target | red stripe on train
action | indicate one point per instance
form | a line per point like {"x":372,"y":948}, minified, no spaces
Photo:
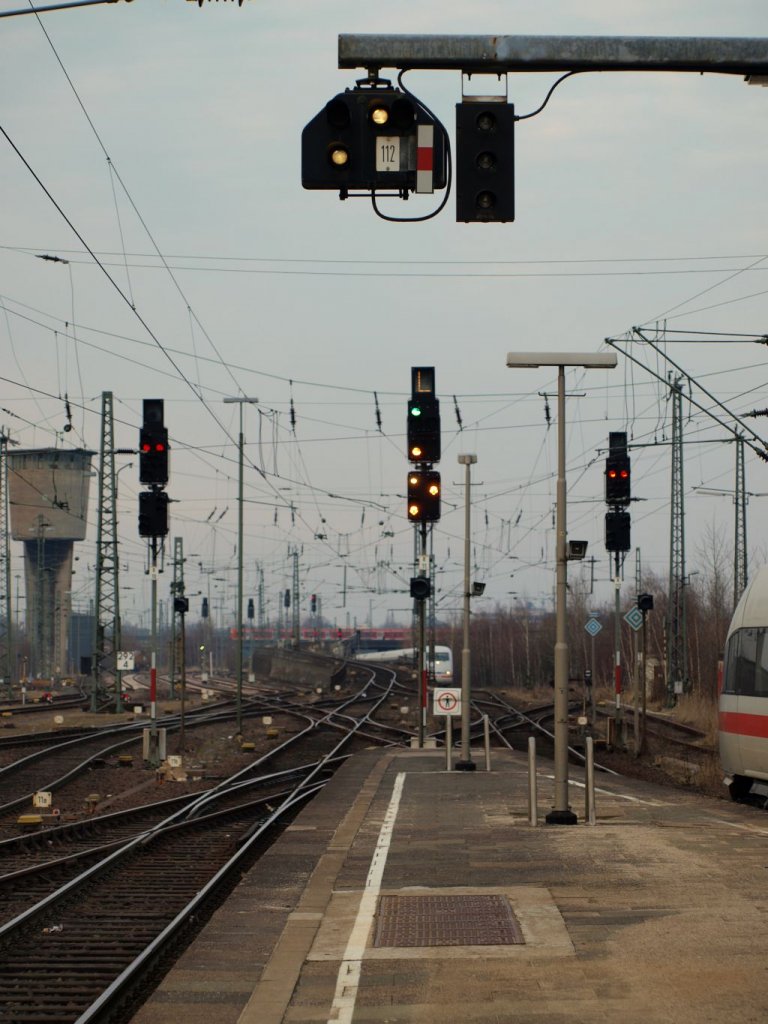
{"x":743,"y":724}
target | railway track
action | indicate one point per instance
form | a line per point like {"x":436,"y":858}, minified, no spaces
{"x":88,"y":913}
{"x":77,"y":945}
{"x":55,"y":761}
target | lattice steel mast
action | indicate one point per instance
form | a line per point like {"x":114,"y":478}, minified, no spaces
{"x":106,"y":634}
{"x":6,"y":626}
{"x":296,"y":610}
{"x":740,"y":530}
{"x":261,"y":620}
{"x":677,"y":659}
{"x":177,"y":590}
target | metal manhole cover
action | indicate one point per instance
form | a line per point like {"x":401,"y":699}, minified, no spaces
{"x":446,"y":921}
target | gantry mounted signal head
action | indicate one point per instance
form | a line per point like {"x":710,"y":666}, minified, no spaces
{"x":373,"y":138}
{"x":485,"y":160}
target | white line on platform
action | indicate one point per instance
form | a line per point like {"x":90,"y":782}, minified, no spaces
{"x":610,"y":792}
{"x":348,"y":980}
{"x":738,"y":824}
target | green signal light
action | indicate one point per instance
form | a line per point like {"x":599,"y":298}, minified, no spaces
{"x":416,"y":411}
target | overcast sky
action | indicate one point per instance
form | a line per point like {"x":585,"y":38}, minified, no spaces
{"x":161,"y":127}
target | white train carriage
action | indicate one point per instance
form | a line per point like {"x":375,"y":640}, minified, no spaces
{"x":743,"y":704}
{"x":443,"y":660}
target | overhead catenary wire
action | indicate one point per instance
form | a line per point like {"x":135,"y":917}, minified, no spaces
{"x":761,"y":453}
{"x":283,"y":432}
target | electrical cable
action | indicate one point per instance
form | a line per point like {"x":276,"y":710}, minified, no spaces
{"x":449,"y":167}
{"x":568,"y":74}
{"x":31,"y":250}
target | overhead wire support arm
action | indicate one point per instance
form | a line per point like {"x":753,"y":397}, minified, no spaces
{"x":762,"y":453}
{"x":507,"y":53}
{"x":56,"y":7}
{"x":701,"y":388}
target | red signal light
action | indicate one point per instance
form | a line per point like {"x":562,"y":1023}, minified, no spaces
{"x":153,"y":452}
{"x":617,"y":481}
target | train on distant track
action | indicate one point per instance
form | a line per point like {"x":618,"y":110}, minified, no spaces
{"x":743,"y":702}
{"x":443,"y":660}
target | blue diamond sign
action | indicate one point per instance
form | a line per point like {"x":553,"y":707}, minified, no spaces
{"x":634,"y":617}
{"x":593,"y":627}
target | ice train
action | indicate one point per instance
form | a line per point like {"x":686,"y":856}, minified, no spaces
{"x":443,"y":660}
{"x":743,"y":703}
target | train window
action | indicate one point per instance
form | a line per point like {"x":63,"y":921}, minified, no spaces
{"x":761,"y":666}
{"x":729,"y":664}
{"x":742,"y":658}
{"x":746,"y":663}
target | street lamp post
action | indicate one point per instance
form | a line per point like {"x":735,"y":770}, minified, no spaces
{"x":241,"y":402}
{"x":561,"y":814}
{"x":465,"y":762}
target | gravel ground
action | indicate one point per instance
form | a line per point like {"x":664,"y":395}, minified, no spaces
{"x":213,"y":751}
{"x":709,"y":784}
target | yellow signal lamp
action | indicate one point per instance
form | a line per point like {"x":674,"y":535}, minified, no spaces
{"x":413,"y":511}
{"x":434,"y":490}
{"x":339,"y":156}
{"x":379,"y":116}
{"x":416,"y":451}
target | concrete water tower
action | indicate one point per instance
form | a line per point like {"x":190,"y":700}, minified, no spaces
{"x":48,"y":497}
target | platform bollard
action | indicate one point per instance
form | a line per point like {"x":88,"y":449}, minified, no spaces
{"x":487,"y":736}
{"x":589,"y":789}
{"x":448,"y":742}
{"x":533,"y":803}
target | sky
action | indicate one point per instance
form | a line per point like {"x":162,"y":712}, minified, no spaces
{"x":167,"y":137}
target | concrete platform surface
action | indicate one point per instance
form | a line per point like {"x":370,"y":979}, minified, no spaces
{"x":377,"y":906}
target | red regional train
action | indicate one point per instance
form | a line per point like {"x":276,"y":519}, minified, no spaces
{"x":743,"y":705}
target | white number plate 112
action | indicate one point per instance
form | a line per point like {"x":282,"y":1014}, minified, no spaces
{"x":388,"y":153}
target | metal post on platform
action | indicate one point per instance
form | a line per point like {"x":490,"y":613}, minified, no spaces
{"x":465,"y":762}
{"x":533,"y":800}
{"x":448,"y":741}
{"x":589,"y":779}
{"x":487,"y":741}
